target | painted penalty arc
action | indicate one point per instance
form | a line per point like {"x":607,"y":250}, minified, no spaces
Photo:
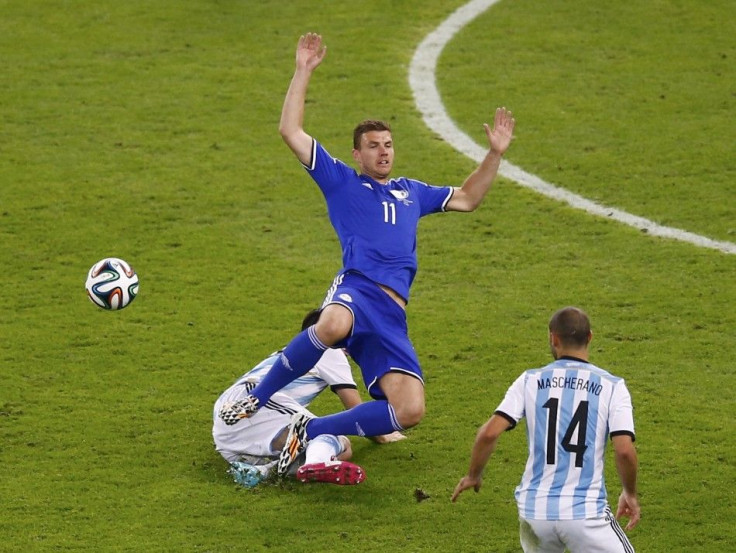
{"x":422,"y":81}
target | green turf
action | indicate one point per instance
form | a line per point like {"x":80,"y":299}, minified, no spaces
{"x":628,"y":104}
{"x":148,"y":131}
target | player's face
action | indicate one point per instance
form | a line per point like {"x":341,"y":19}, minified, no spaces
{"x":375,"y":157}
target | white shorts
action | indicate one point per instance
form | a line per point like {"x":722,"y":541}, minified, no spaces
{"x":591,"y":535}
{"x":250,"y":440}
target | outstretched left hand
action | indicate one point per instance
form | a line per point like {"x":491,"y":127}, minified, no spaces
{"x":500,"y":136}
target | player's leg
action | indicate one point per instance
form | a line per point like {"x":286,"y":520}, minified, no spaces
{"x":328,"y":447}
{"x":405,"y":393}
{"x":595,"y":535}
{"x":540,"y":536}
{"x":248,"y":444}
{"x":326,"y":461}
{"x":334,"y":324}
{"x":322,"y":450}
{"x":381,"y":347}
{"x":301,"y":354}
{"x":373,"y":418}
{"x":403,"y":408}
{"x":378,"y":343}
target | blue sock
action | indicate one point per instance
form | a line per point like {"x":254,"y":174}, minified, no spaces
{"x":372,"y":418}
{"x":297,"y":359}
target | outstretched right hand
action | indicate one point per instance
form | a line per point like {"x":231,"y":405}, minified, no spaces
{"x":466,"y":482}
{"x":310,"y":51}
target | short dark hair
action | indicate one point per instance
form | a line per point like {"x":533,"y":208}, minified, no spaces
{"x":311,"y":318}
{"x":367,"y":126}
{"x":572,"y":325}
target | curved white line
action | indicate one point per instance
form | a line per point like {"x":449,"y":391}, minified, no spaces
{"x":427,"y":98}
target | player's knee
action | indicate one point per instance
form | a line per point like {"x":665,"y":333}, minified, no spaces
{"x":334,"y":326}
{"x":410,"y":414}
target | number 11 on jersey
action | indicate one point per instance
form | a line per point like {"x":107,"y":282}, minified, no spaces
{"x":389,"y":212}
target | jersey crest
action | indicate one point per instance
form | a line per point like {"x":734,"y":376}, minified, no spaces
{"x":402,"y":196}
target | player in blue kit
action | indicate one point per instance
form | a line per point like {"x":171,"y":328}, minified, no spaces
{"x":375,"y":218}
{"x":252,"y":445}
{"x":571,"y":408}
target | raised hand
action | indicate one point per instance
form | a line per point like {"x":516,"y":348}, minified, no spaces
{"x":310,"y":51}
{"x":500,"y":136}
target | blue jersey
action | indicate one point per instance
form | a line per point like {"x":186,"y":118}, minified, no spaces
{"x":376,"y":223}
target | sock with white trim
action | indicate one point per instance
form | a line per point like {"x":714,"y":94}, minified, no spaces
{"x":302,"y":353}
{"x":372,"y":418}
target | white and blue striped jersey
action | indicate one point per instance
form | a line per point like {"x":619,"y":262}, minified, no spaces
{"x":331,"y":370}
{"x":571,"y":408}
{"x":376,"y":223}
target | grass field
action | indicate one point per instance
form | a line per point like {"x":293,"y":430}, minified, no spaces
{"x":148,"y":131}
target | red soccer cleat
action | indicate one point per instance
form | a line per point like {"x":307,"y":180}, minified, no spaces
{"x":341,"y":473}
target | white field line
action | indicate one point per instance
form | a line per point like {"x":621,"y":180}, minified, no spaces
{"x":423,"y":84}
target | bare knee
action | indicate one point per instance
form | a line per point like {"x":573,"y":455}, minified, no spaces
{"x":405,"y":393}
{"x":334,"y":324}
{"x":409,"y":413}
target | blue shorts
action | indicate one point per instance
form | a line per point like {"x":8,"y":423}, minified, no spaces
{"x":379,"y":342}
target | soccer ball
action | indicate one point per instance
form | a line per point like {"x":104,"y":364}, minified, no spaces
{"x":112,"y":283}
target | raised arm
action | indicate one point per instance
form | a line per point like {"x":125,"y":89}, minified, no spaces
{"x":476,"y":186}
{"x":309,"y":54}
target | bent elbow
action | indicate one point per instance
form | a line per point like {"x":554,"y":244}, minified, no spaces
{"x":474,"y":205}
{"x":463,"y":205}
{"x":288,"y":129}
{"x":470,"y":202}
{"x":469,"y":205}
{"x":629,"y":456}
